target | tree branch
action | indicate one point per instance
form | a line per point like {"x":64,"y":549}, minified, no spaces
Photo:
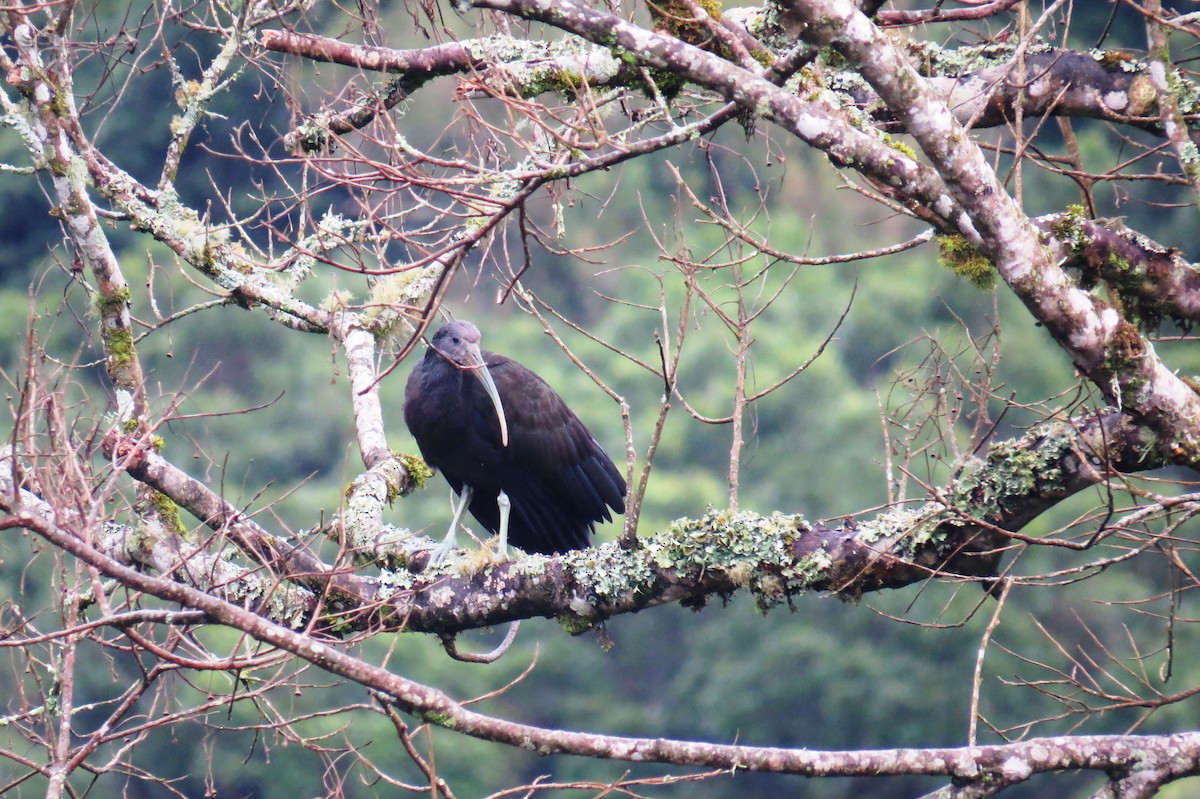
{"x":1173,"y":756}
{"x":960,"y":533}
{"x":1106,"y":348}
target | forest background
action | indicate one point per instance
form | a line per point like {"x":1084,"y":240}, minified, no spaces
{"x":893,"y":669}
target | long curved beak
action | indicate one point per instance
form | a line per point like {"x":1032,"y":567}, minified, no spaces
{"x":480,"y":370}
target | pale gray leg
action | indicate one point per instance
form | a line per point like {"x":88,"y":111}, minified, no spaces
{"x":450,"y":542}
{"x":505,"y":506}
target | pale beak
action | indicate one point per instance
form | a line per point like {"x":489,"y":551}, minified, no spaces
{"x":480,"y":370}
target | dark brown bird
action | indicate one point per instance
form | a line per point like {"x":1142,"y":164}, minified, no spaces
{"x":509,"y":447}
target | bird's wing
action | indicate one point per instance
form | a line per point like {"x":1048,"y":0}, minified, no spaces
{"x":551,"y":446}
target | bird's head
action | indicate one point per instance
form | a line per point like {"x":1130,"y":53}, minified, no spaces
{"x":458,"y":342}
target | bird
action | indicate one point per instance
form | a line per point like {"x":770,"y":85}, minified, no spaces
{"x":517,"y":457}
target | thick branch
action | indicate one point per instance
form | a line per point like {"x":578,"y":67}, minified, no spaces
{"x":939,"y":13}
{"x":286,"y":560}
{"x":1168,"y":757}
{"x":502,"y":65}
{"x":415,"y":69}
{"x":443,"y":59}
{"x":1152,"y":282}
{"x":1106,"y":348}
{"x":982,"y":85}
{"x":774,"y":557}
{"x":53,"y":117}
{"x":812,"y":121}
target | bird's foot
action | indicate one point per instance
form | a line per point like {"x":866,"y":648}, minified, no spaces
{"x":442,"y":553}
{"x":476,"y":561}
{"x":502,"y":554}
{"x":439,"y":551}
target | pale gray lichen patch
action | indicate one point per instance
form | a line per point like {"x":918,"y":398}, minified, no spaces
{"x":918,"y":524}
{"x":1116,"y":100}
{"x":395,"y":581}
{"x":752,"y":551}
{"x":610,"y":573}
{"x":287,"y":605}
{"x":1189,"y":154}
{"x":722,"y":539}
{"x":755,"y":552}
{"x":1015,"y":468}
{"x":933,"y":59}
{"x":752,"y":18}
{"x":1015,"y":769}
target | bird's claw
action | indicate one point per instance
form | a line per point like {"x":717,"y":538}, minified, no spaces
{"x":439,"y":552}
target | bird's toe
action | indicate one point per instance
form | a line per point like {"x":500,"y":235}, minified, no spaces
{"x":440,"y":552}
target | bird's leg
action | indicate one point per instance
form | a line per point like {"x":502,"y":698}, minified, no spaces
{"x":505,"y":505}
{"x":450,"y":542}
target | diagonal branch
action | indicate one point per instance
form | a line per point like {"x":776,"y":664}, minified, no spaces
{"x":960,"y":533}
{"x":812,"y":121}
{"x":1105,"y":347}
{"x":1152,"y":283}
{"x":1166,"y":757}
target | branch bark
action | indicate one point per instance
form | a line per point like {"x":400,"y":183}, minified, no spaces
{"x":1106,"y":348}
{"x":961,"y":533}
{"x":1143,"y":760}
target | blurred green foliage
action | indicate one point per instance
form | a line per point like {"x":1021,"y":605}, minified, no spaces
{"x":826,"y":674}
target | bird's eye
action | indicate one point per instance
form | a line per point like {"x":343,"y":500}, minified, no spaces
{"x":455,"y":340}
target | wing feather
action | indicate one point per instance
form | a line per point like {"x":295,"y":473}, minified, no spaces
{"x":559,"y":479}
